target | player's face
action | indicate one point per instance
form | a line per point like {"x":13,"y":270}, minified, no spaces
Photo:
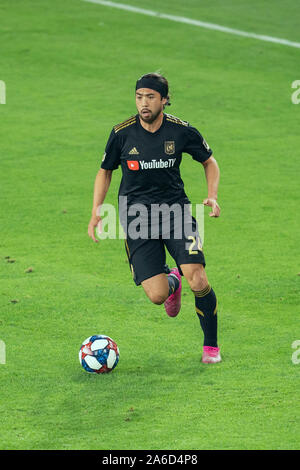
{"x":149,"y":104}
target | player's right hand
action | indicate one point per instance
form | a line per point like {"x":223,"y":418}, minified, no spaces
{"x":94,"y":222}
{"x":214,"y":205}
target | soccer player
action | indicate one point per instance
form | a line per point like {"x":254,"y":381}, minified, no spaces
{"x":149,"y":146}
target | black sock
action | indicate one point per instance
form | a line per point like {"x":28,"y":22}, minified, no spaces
{"x":206,"y":308}
{"x":173,"y":283}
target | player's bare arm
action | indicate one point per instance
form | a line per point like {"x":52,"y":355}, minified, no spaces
{"x":212,"y":174}
{"x":101,"y":186}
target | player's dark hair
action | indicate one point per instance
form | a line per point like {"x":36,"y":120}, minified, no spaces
{"x":162,"y":80}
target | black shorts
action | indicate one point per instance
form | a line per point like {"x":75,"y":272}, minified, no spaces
{"x":147,"y":257}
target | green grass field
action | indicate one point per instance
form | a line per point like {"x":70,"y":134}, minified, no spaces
{"x":70,"y":68}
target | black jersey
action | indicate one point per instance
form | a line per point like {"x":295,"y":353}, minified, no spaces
{"x":150,"y":161}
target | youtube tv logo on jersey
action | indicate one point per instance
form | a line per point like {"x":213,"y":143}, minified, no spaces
{"x":133,"y":165}
{"x":151,"y":165}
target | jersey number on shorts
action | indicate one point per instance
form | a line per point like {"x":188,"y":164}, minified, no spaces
{"x":195,"y":242}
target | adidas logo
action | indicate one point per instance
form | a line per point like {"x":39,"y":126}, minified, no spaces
{"x":133,"y":151}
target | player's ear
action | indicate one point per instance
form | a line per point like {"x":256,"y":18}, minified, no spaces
{"x":164,"y":101}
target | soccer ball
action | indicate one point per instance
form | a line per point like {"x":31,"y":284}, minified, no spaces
{"x":99,"y":354}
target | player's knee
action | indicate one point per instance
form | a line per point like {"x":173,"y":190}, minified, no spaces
{"x":156,"y":289}
{"x":156,"y":298}
{"x":198,"y":279}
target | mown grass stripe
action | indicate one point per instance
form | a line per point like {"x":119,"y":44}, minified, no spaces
{"x":200,"y":24}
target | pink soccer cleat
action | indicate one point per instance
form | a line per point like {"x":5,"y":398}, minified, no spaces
{"x":211,"y":355}
{"x":173,"y":302}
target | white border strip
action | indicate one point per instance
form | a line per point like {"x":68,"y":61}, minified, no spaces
{"x":201,"y":24}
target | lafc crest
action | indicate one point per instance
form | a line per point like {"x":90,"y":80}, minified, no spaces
{"x":170,"y":147}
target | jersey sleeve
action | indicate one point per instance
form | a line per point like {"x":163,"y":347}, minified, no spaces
{"x":111,"y":157}
{"x":196,"y":145}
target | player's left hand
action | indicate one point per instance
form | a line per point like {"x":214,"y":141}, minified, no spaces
{"x":214,"y":205}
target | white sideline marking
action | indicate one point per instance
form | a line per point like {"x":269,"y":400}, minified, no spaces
{"x":201,"y":24}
